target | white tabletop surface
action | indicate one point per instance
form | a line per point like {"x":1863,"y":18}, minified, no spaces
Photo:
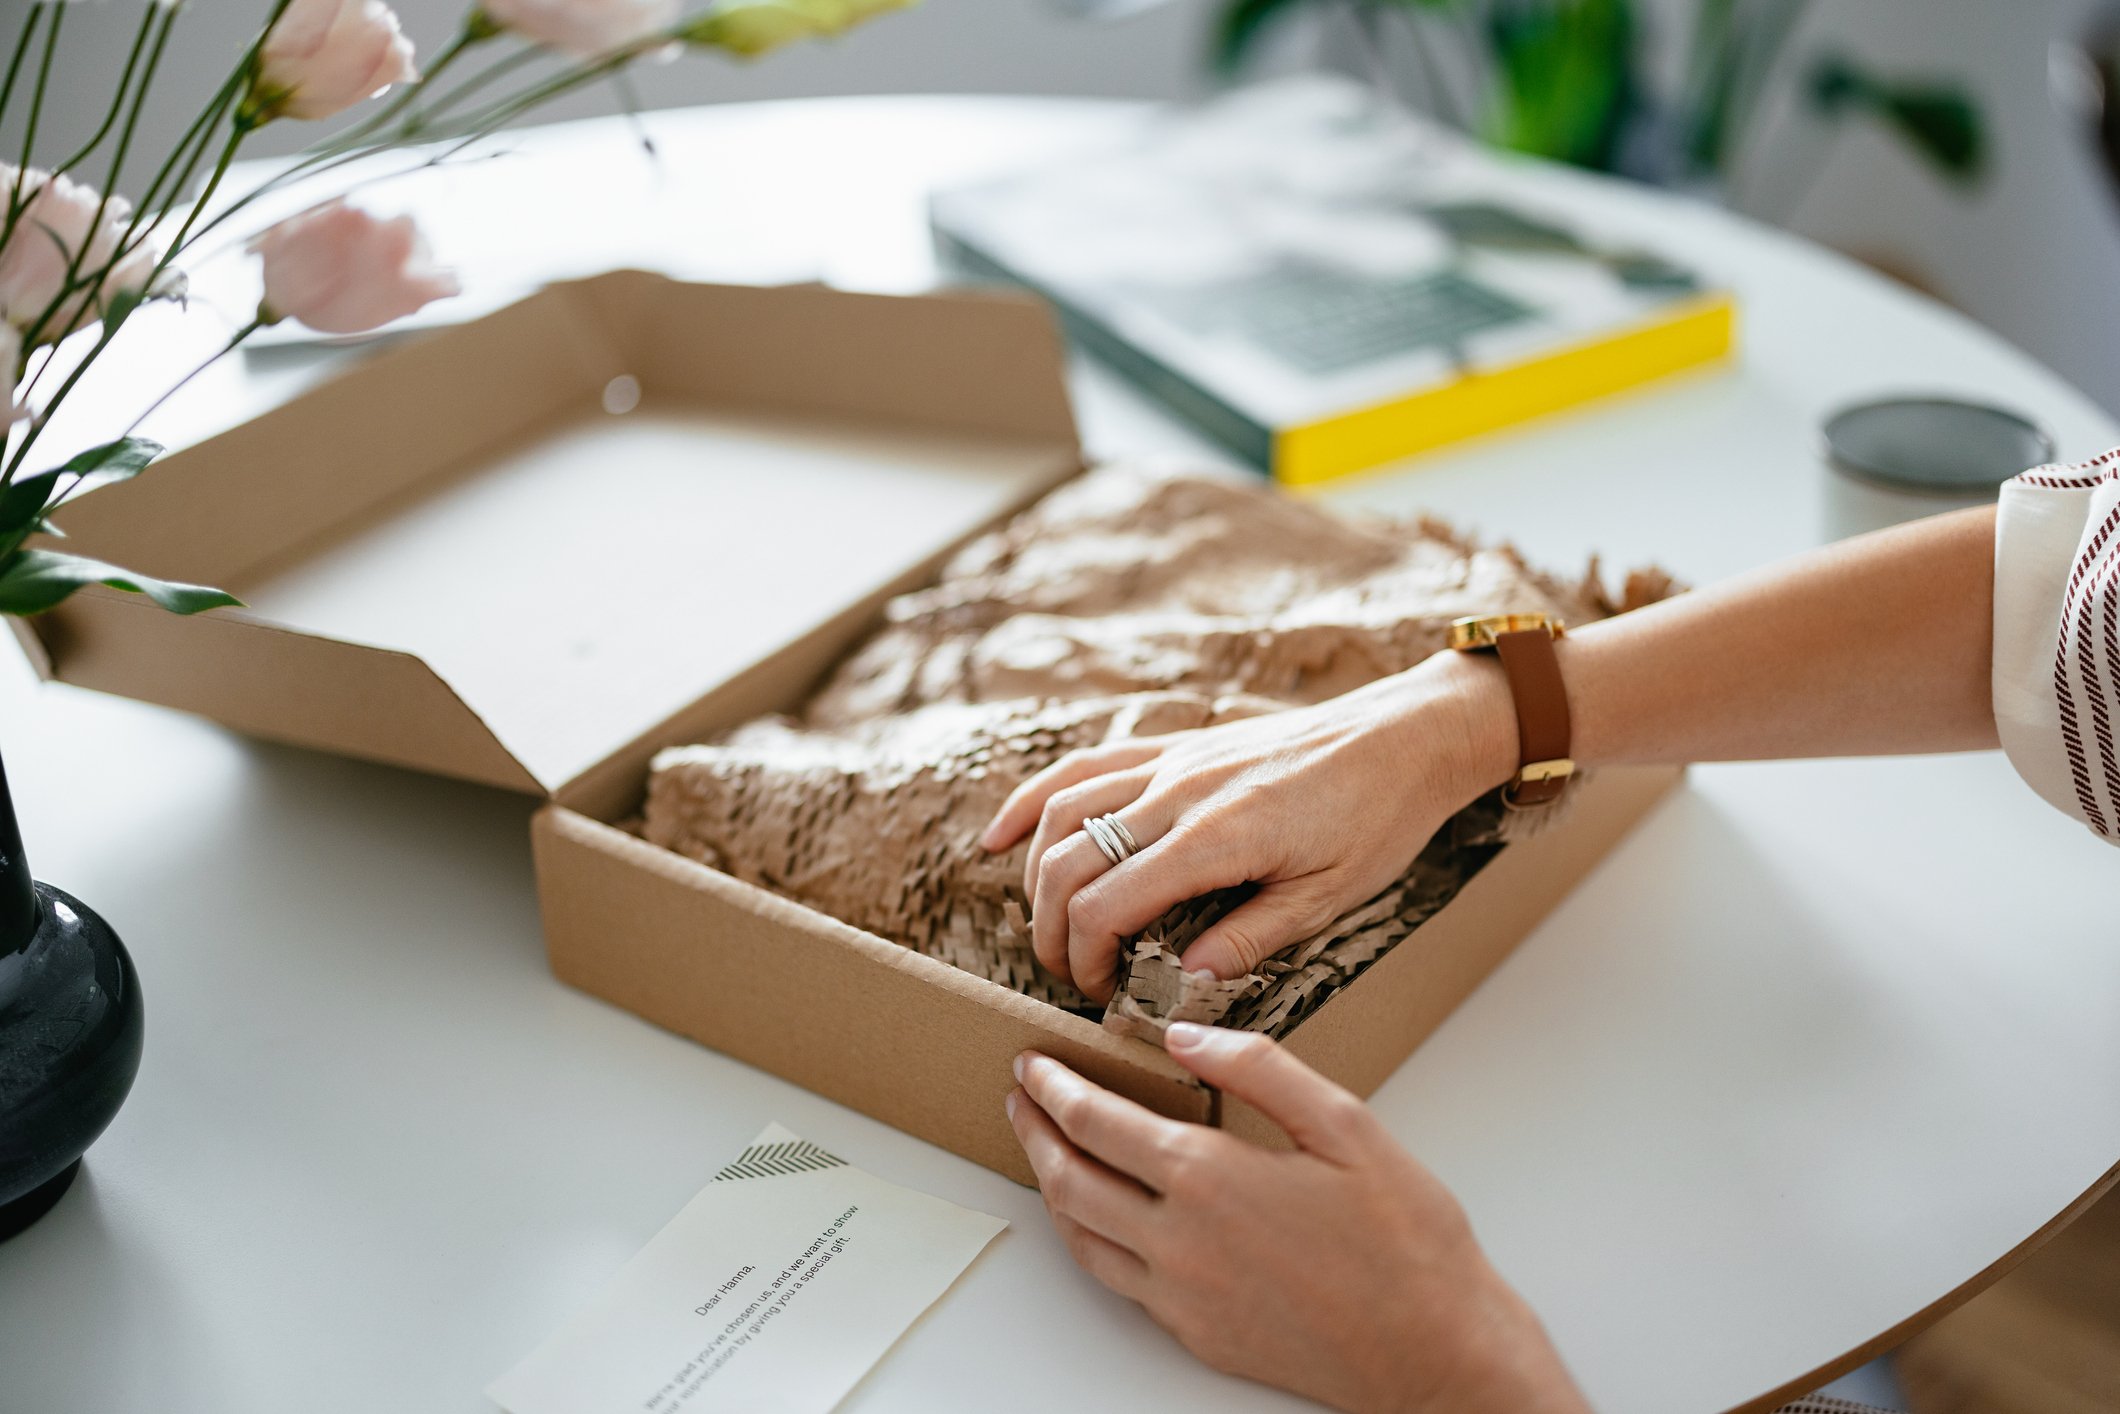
{"x":1813,"y":1048}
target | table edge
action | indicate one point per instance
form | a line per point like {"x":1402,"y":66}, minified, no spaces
{"x":1895,"y":1336}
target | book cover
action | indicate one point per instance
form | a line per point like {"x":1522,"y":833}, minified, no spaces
{"x":1324,"y":283}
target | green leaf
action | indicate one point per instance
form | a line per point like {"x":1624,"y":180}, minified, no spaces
{"x":128,"y":456}
{"x":1940,"y":121}
{"x":24,"y":501}
{"x":22,"y":506}
{"x":1836,"y":84}
{"x":1942,"y":125}
{"x":1566,"y":86}
{"x":35,"y":580}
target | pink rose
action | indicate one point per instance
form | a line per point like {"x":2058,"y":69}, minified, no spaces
{"x":586,"y":29}
{"x":60,"y":220}
{"x":342,"y":271}
{"x":324,"y":56}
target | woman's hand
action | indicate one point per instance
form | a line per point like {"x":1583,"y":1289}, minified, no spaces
{"x":1321,"y":806}
{"x":1343,"y":1271}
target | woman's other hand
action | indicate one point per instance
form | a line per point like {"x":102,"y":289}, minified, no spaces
{"x":1343,"y":1271}
{"x":1321,"y":806}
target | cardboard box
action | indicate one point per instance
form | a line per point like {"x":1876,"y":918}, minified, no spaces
{"x":629,"y":513}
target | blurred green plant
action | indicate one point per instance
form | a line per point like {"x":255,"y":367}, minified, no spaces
{"x":1564,"y":79}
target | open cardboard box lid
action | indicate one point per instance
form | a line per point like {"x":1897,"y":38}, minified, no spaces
{"x":519,"y":550}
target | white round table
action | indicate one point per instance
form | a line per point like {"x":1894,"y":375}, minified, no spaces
{"x":1815,"y":1050}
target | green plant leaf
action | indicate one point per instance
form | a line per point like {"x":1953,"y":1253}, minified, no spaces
{"x":1565,"y":81}
{"x":1939,"y":120}
{"x":32,"y":581}
{"x":22,"y":506}
{"x":24,"y":501}
{"x":128,"y":455}
{"x":1943,"y":125}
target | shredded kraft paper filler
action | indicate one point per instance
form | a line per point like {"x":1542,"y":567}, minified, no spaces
{"x":1128,"y":603}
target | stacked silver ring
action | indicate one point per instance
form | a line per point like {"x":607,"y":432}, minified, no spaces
{"x":1113,"y":839}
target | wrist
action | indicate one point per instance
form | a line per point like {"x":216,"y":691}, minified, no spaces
{"x":1505,"y":1362}
{"x":1465,"y":719}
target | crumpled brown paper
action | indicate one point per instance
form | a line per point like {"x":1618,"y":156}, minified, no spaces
{"x":1126,"y":604}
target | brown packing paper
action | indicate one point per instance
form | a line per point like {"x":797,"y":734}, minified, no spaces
{"x":1126,"y":604}
{"x":459,"y":561}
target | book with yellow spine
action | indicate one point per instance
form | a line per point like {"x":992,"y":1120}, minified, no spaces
{"x":1324,"y":284}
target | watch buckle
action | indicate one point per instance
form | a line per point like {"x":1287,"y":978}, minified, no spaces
{"x":1470,"y":635}
{"x":1560,"y":769}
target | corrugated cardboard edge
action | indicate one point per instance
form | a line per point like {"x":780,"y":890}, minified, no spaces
{"x":901,"y":1037}
{"x":40,"y":661}
{"x":1366,"y":1031}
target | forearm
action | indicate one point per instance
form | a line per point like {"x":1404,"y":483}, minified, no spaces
{"x":1875,"y":646}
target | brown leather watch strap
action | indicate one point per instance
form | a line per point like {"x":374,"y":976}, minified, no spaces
{"x":1543,"y":728}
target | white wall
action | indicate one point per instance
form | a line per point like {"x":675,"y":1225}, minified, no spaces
{"x":2036,"y":254}
{"x":960,"y":46}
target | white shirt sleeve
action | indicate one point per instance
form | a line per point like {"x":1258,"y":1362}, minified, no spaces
{"x":2057,"y":636}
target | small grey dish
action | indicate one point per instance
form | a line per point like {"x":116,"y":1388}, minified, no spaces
{"x":1939,"y":446}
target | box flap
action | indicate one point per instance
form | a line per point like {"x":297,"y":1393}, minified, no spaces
{"x":283,"y":685}
{"x":509,"y":550}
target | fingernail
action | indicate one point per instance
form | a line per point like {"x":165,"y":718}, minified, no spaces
{"x":1019,"y":1068}
{"x":1009,"y":1104}
{"x":1185,"y":1036}
{"x":1204,"y":973}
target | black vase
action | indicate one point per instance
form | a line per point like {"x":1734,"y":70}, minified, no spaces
{"x":70,"y":1028}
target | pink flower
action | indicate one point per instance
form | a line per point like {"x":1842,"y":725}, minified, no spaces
{"x":586,"y":29}
{"x":62,"y":219}
{"x":324,"y":56}
{"x":342,"y":271}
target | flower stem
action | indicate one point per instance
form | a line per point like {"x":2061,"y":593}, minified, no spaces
{"x":474,"y":127}
{"x":115,"y":320}
{"x":22,"y":47}
{"x":215,"y":357}
{"x":36,"y":111}
{"x":484,"y":78}
{"x":176,"y":171}
{"x":60,"y":493}
{"x":37,"y":424}
{"x":404,"y":97}
{"x":117,"y":104}
{"x":89,"y":289}
{"x":500,"y":113}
